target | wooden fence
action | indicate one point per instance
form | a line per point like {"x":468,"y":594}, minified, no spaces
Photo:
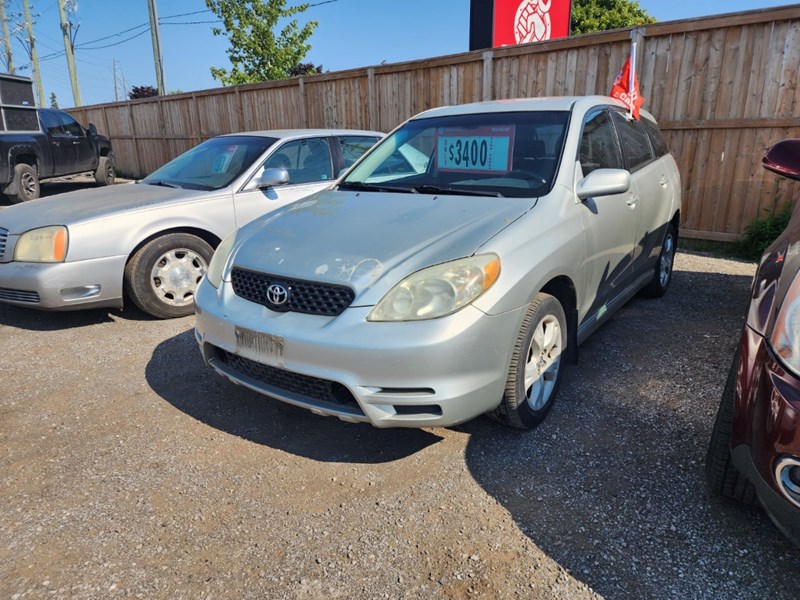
{"x":723,"y":89}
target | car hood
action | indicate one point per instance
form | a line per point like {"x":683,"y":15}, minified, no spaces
{"x":91,"y":204}
{"x":371,"y":241}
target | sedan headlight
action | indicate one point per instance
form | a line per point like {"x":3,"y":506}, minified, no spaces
{"x":439,"y":290}
{"x":785,"y":338}
{"x":46,"y":244}
{"x":216,"y":267}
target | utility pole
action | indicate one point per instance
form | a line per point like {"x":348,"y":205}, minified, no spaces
{"x":66,"y":29}
{"x":154,"y":33}
{"x":34,"y":56}
{"x":6,"y":39}
{"x":114,"y":66}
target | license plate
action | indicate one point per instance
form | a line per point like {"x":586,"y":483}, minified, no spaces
{"x":262,"y":347}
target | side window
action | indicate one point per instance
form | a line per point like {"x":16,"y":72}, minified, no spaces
{"x":51,"y":123}
{"x":599,"y":145}
{"x":635,"y":143}
{"x":656,"y":138}
{"x":354,"y":147}
{"x":307,"y":160}
{"x":71,"y":126}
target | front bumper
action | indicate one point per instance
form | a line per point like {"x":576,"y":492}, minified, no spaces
{"x":427,"y":373}
{"x":63,"y":286}
{"x":767,"y":429}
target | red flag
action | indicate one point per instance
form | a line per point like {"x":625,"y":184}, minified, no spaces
{"x":621,"y":89}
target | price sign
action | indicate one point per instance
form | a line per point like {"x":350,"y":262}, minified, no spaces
{"x":480,"y":150}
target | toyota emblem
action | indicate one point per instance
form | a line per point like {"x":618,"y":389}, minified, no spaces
{"x":277,"y":294}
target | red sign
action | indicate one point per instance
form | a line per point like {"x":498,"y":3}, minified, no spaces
{"x":524,"y":21}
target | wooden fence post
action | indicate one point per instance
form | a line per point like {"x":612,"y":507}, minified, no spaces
{"x":488,"y":84}
{"x":372,"y":101}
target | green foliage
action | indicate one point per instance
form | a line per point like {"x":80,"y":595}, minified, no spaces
{"x":590,"y":16}
{"x":142,"y":91}
{"x":256,"y":52}
{"x":761,"y":232}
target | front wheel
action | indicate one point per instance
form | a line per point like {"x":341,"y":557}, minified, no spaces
{"x":25,"y":185}
{"x":162,"y":276}
{"x":535,"y":370}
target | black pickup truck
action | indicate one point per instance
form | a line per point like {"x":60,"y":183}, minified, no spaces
{"x":39,"y":143}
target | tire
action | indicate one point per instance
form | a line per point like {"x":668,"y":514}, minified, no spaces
{"x":662,"y":275}
{"x":722,"y":476}
{"x":535,"y":371}
{"x":162,"y":276}
{"x":25,"y":185}
{"x":104,"y":175}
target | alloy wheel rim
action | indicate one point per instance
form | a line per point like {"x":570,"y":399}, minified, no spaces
{"x":28,"y":184}
{"x":542,"y":363}
{"x":175,"y":276}
{"x":665,"y":267}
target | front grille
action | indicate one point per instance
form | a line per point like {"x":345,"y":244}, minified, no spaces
{"x":320,"y":392}
{"x":3,"y":241}
{"x":19,"y":296}
{"x":306,"y":297}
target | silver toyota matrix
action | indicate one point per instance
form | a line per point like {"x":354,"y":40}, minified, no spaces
{"x":454,"y":270}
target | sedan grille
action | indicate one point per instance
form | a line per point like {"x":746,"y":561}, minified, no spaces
{"x":19,"y":296}
{"x":291,"y":295}
{"x":312,"y":390}
{"x":3,"y":241}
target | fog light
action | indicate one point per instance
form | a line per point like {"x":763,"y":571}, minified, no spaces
{"x":787,"y":474}
{"x":80,"y":293}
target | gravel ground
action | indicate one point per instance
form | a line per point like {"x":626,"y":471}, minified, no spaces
{"x":128,"y":469}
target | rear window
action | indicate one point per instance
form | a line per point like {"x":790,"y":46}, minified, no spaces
{"x":635,"y":141}
{"x":656,"y":138}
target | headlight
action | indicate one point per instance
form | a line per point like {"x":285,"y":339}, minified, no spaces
{"x":785,"y":338}
{"x":217,"y":265}
{"x":46,"y":244}
{"x":438,"y":291}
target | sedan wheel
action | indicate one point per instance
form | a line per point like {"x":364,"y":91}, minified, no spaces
{"x":162,"y":276}
{"x":535,"y":370}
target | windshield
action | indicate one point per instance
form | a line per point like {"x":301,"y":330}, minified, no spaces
{"x":211,"y":165}
{"x":493,"y":154}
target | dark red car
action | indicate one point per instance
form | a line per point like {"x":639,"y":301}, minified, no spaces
{"x":755,"y":444}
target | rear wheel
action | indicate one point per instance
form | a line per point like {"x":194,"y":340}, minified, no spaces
{"x":722,"y":476}
{"x":104,"y":175}
{"x":25,"y":185}
{"x":663,"y":270}
{"x":162,"y":276}
{"x":535,"y":371}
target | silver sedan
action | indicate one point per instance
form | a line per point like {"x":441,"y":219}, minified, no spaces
{"x":151,"y":241}
{"x":454,"y":270}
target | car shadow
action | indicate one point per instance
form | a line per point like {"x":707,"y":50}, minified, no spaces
{"x":612,"y":484}
{"x":41,"y":320}
{"x":202,"y":394}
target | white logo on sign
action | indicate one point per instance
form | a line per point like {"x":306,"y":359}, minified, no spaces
{"x":532,"y":23}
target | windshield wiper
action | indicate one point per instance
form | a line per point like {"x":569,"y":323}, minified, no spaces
{"x":371,"y":187}
{"x":435,"y":189}
{"x":163,"y":183}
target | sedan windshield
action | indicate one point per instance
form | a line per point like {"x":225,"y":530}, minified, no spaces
{"x":493,"y":154}
{"x":212,"y":165}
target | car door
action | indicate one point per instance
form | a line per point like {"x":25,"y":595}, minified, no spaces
{"x":308,"y":161}
{"x":609,"y":222}
{"x":83,"y":152}
{"x":650,"y":173}
{"x":59,"y":143}
{"x":352,"y":147}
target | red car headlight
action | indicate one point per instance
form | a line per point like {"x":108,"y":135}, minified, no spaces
{"x":785,"y":338}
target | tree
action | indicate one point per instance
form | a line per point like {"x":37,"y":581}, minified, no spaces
{"x":142,"y":91}
{"x":256,"y":52}
{"x":53,"y":100}
{"x":589,"y":16}
{"x":305,"y":69}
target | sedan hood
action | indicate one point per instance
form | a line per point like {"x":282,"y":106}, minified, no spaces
{"x":371,"y":241}
{"x":88,"y":205}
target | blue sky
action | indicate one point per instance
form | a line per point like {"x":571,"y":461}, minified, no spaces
{"x":351,"y":34}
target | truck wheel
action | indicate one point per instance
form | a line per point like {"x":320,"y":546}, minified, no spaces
{"x":104,"y":175}
{"x":162,"y":276}
{"x":25,"y":185}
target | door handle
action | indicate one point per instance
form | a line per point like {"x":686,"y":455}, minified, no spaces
{"x":664,"y":182}
{"x":75,"y":143}
{"x":632,"y":201}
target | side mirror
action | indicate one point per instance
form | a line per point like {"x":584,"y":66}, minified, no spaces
{"x":603,"y":182}
{"x":92,"y":129}
{"x":269,"y":178}
{"x":784,"y":159}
